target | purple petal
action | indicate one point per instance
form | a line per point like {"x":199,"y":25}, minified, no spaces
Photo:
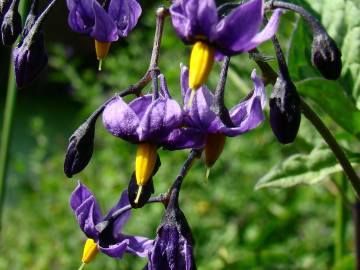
{"x":193,"y":18}
{"x":267,"y":33}
{"x":247,"y":114}
{"x":125,"y":13}
{"x":160,"y":118}
{"x":121,"y":120}
{"x":240,"y":26}
{"x":116,"y":250}
{"x":86,"y":210}
{"x":184,"y":138}
{"x":105,"y":29}
{"x":184,"y":80}
{"x":81,"y":15}
{"x":122,"y":219}
{"x":139,"y":246}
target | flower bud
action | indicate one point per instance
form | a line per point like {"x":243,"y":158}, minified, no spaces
{"x":4,"y":6}
{"x":201,"y":62}
{"x":80,"y":149}
{"x":173,"y":245}
{"x":11,"y":24}
{"x":326,"y":56}
{"x":285,"y":114}
{"x":30,"y":55}
{"x":30,"y":18}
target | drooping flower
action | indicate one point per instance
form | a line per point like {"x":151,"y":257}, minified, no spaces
{"x":198,"y":23}
{"x":150,"y":123}
{"x":173,"y":245}
{"x":245,"y":116}
{"x":30,"y":55}
{"x":105,"y":23}
{"x":110,"y":241}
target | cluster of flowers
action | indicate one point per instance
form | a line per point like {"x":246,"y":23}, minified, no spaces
{"x":156,"y":120}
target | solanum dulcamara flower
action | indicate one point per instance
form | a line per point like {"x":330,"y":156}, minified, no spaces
{"x":245,"y":116}
{"x":111,"y":241}
{"x":105,"y":23}
{"x":198,"y":23}
{"x":150,"y":123}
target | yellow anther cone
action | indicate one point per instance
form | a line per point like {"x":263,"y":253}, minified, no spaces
{"x":102,"y":50}
{"x":201,"y":62}
{"x":145,"y":161}
{"x":214,"y":146}
{"x":90,"y":251}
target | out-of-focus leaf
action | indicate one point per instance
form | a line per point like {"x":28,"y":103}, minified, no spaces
{"x":304,"y":169}
{"x":330,"y":96}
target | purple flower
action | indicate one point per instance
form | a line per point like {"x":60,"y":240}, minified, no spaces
{"x":173,"y":245}
{"x":157,"y":121}
{"x":237,"y":32}
{"x":245,"y":116}
{"x":104,"y":24}
{"x":110,"y":241}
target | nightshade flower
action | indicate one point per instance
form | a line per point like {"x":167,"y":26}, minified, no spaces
{"x":105,"y":23}
{"x":150,"y":123}
{"x":246,"y":115}
{"x":198,"y":23}
{"x":110,"y":241}
{"x":173,"y":245}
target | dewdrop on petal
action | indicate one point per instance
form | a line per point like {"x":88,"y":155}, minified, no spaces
{"x":102,"y":50}
{"x":145,"y":161}
{"x":214,"y":146}
{"x":89,"y":252}
{"x":201,"y":62}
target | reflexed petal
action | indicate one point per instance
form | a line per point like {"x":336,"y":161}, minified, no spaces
{"x":125,"y":13}
{"x":267,"y":33}
{"x":121,"y":120}
{"x":81,"y":16}
{"x":104,"y":29}
{"x":240,"y":25}
{"x":116,"y":250}
{"x":139,"y":246}
{"x":160,"y":118}
{"x":86,"y":210}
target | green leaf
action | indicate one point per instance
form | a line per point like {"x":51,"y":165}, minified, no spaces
{"x":304,"y":169}
{"x":330,"y":96}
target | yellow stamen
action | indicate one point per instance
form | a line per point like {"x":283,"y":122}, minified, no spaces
{"x":138,"y":195}
{"x":102,"y":50}
{"x":214,"y":146}
{"x":201,"y":62}
{"x":90,"y":251}
{"x":145,"y":162}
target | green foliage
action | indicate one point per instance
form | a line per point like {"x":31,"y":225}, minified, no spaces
{"x":304,"y":169}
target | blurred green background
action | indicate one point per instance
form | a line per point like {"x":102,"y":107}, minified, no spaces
{"x":234,"y":225}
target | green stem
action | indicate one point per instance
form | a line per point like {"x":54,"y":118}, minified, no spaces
{"x":5,"y":135}
{"x":340,"y":222}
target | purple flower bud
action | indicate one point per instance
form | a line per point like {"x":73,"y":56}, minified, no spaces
{"x":80,"y":149}
{"x":11,"y":24}
{"x":31,"y":18}
{"x":4,"y":6}
{"x":326,"y":56}
{"x":30,"y":55}
{"x":285,"y":114}
{"x":173,"y":246}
